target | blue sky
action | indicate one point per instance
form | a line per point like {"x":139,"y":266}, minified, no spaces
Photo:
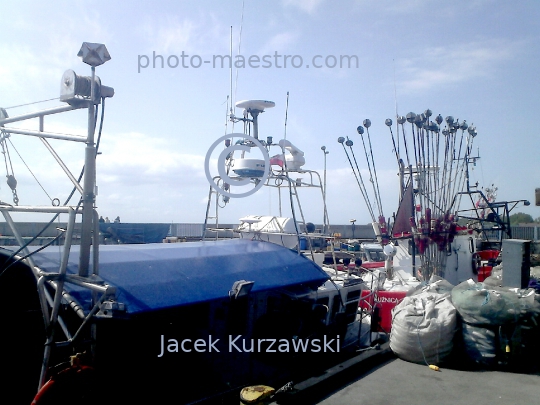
{"x":474,"y":60}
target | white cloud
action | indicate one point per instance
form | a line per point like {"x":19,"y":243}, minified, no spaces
{"x":279,"y":43}
{"x":132,"y":167}
{"x":172,"y":35}
{"x":307,"y":6}
{"x":442,"y":66}
{"x":28,"y":70}
{"x":401,"y":7}
{"x":441,"y":9}
{"x":21,"y":71}
{"x":137,"y":159}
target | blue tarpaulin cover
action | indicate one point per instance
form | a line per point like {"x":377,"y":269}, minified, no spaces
{"x":165,"y":275}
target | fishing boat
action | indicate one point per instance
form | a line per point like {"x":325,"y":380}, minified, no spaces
{"x":285,"y":174}
{"x":440,"y":252}
{"x":433,"y":227}
{"x":193,"y":321}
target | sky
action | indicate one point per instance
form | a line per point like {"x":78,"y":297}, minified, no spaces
{"x":476,"y":60}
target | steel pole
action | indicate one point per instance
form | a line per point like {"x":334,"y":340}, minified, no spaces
{"x":88,"y":197}
{"x":325,"y":152}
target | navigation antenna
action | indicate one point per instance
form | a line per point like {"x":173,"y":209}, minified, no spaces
{"x":286,"y":115}
{"x":231,"y":70}
{"x":239,"y":50}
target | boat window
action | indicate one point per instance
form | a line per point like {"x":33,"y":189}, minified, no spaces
{"x":375,"y":255}
{"x":353,"y":295}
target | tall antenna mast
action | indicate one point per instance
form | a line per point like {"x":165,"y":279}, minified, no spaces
{"x":231,"y":72}
{"x":286,"y":115}
{"x":239,"y":50}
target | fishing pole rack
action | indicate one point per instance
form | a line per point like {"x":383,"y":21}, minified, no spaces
{"x":78,"y":93}
{"x":433,"y":170}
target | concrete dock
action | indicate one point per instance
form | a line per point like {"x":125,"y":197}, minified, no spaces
{"x":399,"y":382}
{"x":380,"y":378}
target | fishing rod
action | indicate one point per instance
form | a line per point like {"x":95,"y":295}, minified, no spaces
{"x":426,"y":127}
{"x":423,"y":174}
{"x":440,"y":156}
{"x":358,"y":177}
{"x":388,"y":123}
{"x":420,"y":166}
{"x":448,"y":159}
{"x":453,"y":165}
{"x":431,"y":222}
{"x":410,"y":119}
{"x":378,"y":195}
{"x":372,"y":174}
{"x":438,"y":120}
{"x":446,"y":134}
{"x":401,"y":120}
{"x":457,"y":159}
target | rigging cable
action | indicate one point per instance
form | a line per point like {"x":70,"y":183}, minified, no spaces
{"x":35,"y":102}
{"x":68,"y":198}
{"x":30,"y":170}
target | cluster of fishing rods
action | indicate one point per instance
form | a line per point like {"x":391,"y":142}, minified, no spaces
{"x":435,"y":162}
{"x":379,"y":223}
